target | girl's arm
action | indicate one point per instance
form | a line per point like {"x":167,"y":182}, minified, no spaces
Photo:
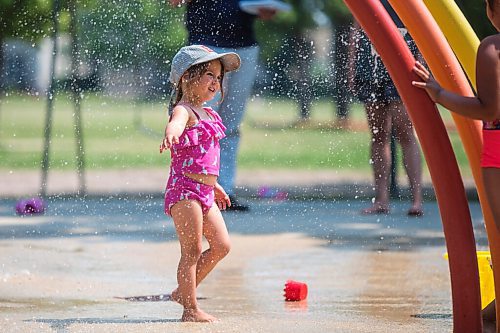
{"x":486,"y":106}
{"x":175,"y":127}
{"x":488,"y":76}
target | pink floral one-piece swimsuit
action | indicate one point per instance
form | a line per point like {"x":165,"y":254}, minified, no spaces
{"x":198,"y":152}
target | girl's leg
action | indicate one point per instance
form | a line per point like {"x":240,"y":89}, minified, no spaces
{"x":411,"y":153}
{"x":491,"y":179}
{"x":379,"y":123}
{"x":215,"y":231}
{"x":188,"y":220}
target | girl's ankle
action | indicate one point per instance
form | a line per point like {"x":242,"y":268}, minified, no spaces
{"x":191,"y":308}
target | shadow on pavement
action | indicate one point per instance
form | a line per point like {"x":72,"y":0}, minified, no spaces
{"x":337,"y":221}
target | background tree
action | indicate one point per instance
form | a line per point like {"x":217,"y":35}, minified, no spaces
{"x":23,"y":19}
{"x":341,"y":19}
{"x":138,"y":34}
{"x":287,"y":50}
{"x":120,"y":32}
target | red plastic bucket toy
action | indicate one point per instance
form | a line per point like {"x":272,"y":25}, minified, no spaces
{"x":295,"y":291}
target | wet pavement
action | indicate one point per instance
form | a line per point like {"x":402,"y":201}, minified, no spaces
{"x":62,"y":271}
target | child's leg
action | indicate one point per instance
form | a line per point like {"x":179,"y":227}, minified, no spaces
{"x":215,"y":231}
{"x":188,"y":220}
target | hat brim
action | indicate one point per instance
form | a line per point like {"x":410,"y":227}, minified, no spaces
{"x":230,"y":60}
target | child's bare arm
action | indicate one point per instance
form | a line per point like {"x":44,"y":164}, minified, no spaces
{"x":488,"y":76}
{"x":465,"y":106}
{"x":486,"y":106}
{"x":175,"y":127}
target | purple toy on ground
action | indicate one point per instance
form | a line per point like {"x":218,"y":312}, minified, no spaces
{"x":32,"y":206}
{"x":271,"y":193}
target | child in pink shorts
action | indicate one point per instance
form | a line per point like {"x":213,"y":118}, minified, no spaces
{"x":485,"y":106}
{"x":192,"y":135}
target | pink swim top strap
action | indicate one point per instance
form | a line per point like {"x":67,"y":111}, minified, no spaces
{"x":212,"y":114}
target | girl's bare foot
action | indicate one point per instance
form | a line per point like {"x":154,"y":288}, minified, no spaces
{"x":197,"y":315}
{"x":416,"y":210}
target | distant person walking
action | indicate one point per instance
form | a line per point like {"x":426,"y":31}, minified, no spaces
{"x":385,"y":111}
{"x":192,"y":135}
{"x":224,"y":27}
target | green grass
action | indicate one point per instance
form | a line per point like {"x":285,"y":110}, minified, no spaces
{"x":270,"y":140}
{"x":110,"y":138}
{"x":120,"y":133}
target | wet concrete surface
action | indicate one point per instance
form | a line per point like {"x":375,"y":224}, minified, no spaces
{"x":62,"y":271}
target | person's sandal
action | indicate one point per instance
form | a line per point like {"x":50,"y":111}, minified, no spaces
{"x":236,"y":205}
{"x":376,"y":211}
{"x":415,"y":212}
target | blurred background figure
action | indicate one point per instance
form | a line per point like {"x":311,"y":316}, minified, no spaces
{"x":342,"y":21}
{"x":372,"y":85}
{"x":319,"y":33}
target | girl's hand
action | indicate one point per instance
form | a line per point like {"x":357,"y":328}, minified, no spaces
{"x":168,"y":142}
{"x":177,"y":3}
{"x":221,"y":197}
{"x":429,"y":83}
{"x":266,"y":14}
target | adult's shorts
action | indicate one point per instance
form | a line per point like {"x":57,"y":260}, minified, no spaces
{"x":377,"y":92}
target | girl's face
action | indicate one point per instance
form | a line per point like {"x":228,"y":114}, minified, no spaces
{"x":208,"y":84}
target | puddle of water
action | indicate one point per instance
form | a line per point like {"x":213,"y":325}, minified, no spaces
{"x":43,"y":304}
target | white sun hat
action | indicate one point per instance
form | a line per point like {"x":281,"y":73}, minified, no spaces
{"x":197,"y":54}
{"x":193,"y":55}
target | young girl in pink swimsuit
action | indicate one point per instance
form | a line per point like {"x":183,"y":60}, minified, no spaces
{"x":192,"y":135}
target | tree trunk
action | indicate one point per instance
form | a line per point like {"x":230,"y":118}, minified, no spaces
{"x":2,"y":73}
{"x":47,"y":133}
{"x":2,"y":78}
{"x":76,"y":97}
{"x":304,"y":89}
{"x":341,"y":92}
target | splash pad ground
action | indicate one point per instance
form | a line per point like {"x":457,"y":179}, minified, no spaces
{"x":62,"y":271}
